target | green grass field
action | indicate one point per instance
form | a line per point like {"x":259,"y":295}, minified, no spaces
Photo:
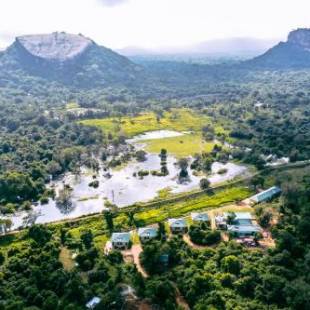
{"x":182,"y":146}
{"x":203,"y":202}
{"x":176,"y":119}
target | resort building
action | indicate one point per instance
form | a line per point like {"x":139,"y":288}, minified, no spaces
{"x":242,"y":224}
{"x":266,"y":195}
{"x":200,"y":217}
{"x":120,"y":240}
{"x":177,"y":226}
{"x":147,"y":233}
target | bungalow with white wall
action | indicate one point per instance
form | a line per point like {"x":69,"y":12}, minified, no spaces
{"x":201,"y":217}
{"x":242,"y":224}
{"x":120,"y":240}
{"x":147,"y":233}
{"x":177,"y":226}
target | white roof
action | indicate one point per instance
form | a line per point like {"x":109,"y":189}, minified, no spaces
{"x":177,"y":223}
{"x":199,"y":216}
{"x":243,"y":228}
{"x":93,"y":302}
{"x":121,"y":237}
{"x":147,"y":232}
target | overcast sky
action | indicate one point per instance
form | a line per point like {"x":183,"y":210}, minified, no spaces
{"x":153,"y":23}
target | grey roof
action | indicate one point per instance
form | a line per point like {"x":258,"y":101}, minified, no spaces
{"x":267,"y":194}
{"x":148,"y":232}
{"x":240,"y":215}
{"x":121,"y":237}
{"x":203,"y":217}
{"x":177,"y":223}
{"x":244,"y":228}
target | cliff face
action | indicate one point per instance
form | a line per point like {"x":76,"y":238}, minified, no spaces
{"x":69,"y":59}
{"x":58,"y":46}
{"x":300,"y":37}
{"x":294,"y":53}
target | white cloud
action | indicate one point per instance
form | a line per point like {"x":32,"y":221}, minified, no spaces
{"x":153,"y":23}
{"x":112,"y":2}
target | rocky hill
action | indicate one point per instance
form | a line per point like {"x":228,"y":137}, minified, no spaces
{"x":66,"y":58}
{"x":294,"y":53}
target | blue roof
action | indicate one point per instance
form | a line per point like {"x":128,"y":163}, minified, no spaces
{"x":121,"y":237}
{"x":203,"y":217}
{"x":147,"y":232}
{"x":244,"y":228}
{"x":267,"y":194}
{"x":177,"y":223}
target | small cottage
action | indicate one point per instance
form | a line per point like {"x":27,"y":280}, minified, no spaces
{"x":120,"y":240}
{"x":147,"y":233}
{"x":177,"y":226}
{"x":200,"y":217}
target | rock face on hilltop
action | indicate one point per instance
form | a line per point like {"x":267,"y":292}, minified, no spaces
{"x":294,"y":53}
{"x":69,"y":59}
{"x":58,"y":46}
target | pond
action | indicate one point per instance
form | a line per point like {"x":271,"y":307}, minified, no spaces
{"x":121,"y":188}
{"x":157,"y":134}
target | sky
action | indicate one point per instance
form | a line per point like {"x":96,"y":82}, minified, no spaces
{"x":153,"y":23}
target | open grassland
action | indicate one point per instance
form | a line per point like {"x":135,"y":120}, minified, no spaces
{"x":176,"y":119}
{"x":184,"y":207}
{"x":182,"y":146}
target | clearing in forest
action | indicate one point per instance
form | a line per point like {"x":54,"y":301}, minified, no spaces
{"x":185,"y":121}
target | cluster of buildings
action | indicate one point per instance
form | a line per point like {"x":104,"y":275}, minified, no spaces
{"x":121,"y":240}
{"x":239,"y":224}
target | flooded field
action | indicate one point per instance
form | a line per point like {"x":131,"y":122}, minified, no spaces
{"x":123,"y":187}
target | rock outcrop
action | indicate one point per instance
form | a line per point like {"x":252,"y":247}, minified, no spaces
{"x":69,"y":59}
{"x":292,"y":54}
{"x":58,"y":46}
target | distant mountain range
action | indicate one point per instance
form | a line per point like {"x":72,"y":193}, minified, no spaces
{"x":74,"y":60}
{"x":249,"y":47}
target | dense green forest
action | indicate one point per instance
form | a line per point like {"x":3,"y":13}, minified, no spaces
{"x":247,"y":114}
{"x":228,"y":276}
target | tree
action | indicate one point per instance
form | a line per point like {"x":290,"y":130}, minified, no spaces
{"x":87,"y":238}
{"x":183,"y":165}
{"x":39,"y":233}
{"x":2,"y":258}
{"x":108,"y":216}
{"x":140,"y":155}
{"x":204,"y":183}
{"x":231,"y":217}
{"x":231,"y":264}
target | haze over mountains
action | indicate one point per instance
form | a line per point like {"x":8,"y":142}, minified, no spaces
{"x":294,"y":53}
{"x":246,"y":47}
{"x":74,"y":60}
